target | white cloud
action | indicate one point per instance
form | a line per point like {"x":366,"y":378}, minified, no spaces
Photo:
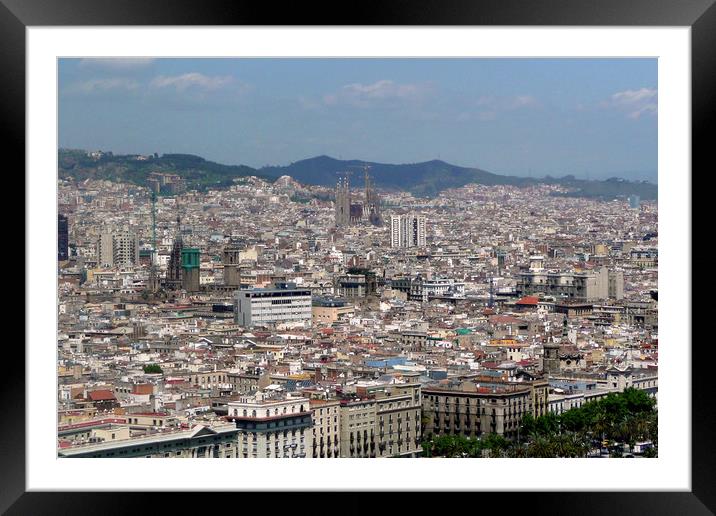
{"x":189,"y":89}
{"x":377,"y":93}
{"x":98,"y":86}
{"x":117,"y":63}
{"x":507,"y":103}
{"x":634,"y":103}
{"x":192,"y":89}
{"x":191,"y":80}
{"x":488,"y":106}
{"x":522,"y":101}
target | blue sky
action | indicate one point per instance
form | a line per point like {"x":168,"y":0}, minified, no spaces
{"x":588,"y":117}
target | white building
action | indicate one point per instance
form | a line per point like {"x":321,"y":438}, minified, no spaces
{"x":284,"y":304}
{"x":407,"y":230}
{"x":272,"y":424}
{"x":441,"y":287}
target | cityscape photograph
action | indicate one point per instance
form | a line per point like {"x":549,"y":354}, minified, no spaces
{"x":357,"y":258}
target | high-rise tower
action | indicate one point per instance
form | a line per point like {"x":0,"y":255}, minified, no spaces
{"x":407,"y":230}
{"x":117,"y":248}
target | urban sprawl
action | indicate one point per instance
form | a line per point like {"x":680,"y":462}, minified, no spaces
{"x":275,"y":319}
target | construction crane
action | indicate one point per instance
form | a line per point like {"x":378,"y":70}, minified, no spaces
{"x":152,"y":267}
{"x":154,"y":225}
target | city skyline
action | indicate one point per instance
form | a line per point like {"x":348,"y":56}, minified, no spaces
{"x":350,"y":309}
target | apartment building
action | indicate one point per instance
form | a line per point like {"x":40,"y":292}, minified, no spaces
{"x":601,"y":283}
{"x":473,"y":409}
{"x":272,"y":424}
{"x":326,"y":428}
{"x":117,"y":249}
{"x":358,"y":428}
{"x":398,"y":414}
{"x":383,"y":420}
{"x":407,"y":230}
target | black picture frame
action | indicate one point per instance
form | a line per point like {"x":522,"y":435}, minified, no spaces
{"x":700,"y":15}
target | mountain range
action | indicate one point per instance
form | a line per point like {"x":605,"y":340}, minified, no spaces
{"x":426,"y":179}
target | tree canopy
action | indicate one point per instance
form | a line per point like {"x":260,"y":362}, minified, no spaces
{"x":619,"y":418}
{"x":152,"y":369}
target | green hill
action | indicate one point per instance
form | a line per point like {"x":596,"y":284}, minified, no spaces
{"x":429,"y":178}
{"x":425,"y":179}
{"x":199,"y":173}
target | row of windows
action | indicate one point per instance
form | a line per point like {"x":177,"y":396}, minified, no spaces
{"x":254,"y":435}
{"x":268,"y":411}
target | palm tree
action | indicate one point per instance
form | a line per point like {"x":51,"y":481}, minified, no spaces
{"x":541,"y":447}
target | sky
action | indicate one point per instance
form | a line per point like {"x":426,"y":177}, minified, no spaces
{"x":593,"y":118}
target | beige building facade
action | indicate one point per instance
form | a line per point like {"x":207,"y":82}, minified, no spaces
{"x":326,"y":429}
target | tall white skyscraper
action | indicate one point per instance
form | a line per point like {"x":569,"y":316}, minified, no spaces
{"x":407,"y":230}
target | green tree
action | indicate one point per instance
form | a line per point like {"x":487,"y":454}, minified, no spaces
{"x":152,"y":369}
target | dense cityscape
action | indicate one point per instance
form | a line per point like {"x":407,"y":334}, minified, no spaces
{"x":273,"y":319}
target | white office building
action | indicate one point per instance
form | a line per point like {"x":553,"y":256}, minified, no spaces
{"x":283,"y":304}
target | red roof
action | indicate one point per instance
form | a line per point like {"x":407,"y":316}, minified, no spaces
{"x":101,"y":395}
{"x":504,"y":319}
{"x":528,"y":300}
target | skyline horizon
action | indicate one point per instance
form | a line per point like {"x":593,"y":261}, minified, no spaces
{"x":588,"y":177}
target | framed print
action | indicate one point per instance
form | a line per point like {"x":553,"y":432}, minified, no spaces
{"x":426,"y":232}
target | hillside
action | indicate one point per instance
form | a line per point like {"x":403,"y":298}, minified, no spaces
{"x":429,"y":178}
{"x":199,"y":173}
{"x":425,"y":179}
